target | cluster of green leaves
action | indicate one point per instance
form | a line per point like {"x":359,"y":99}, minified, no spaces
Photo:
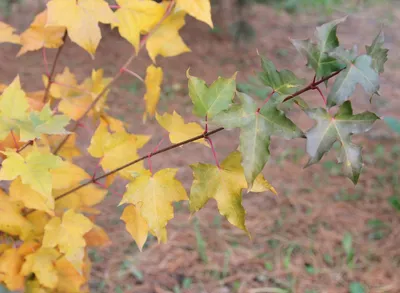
{"x":48,"y":211}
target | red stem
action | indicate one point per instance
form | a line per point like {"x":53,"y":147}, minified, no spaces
{"x":15,"y":140}
{"x":266,"y":100}
{"x":46,"y":63}
{"x":320,"y":92}
{"x":312,"y":85}
{"x":213,"y":151}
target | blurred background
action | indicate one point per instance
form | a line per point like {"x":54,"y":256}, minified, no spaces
{"x":320,"y":234}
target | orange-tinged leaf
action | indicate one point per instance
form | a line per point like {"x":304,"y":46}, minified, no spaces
{"x":7,"y":34}
{"x":38,"y":35}
{"x":153,"y":195}
{"x":81,"y":18}
{"x":178,"y":130}
{"x":67,"y":233}
{"x":136,"y":225}
{"x":154,"y":77}
{"x":136,"y":17}
{"x":200,"y":9}
{"x":69,"y":280}
{"x":10,"y":267}
{"x":9,"y":143}
{"x":35,"y":100}
{"x":11,"y":221}
{"x":34,"y":169}
{"x":28,"y":248}
{"x":41,"y":263}
{"x":165,"y":40}
{"x":97,"y":237}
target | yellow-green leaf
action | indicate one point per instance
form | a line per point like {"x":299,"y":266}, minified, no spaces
{"x":225,"y":185}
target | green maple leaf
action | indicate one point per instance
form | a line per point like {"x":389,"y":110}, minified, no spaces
{"x":14,"y":116}
{"x":358,"y":71}
{"x":34,"y":169}
{"x":256,"y":127}
{"x":330,"y":129}
{"x":378,"y":53}
{"x":209,"y":101}
{"x":225,"y":185}
{"x":43,"y":122}
{"x":318,"y":53}
{"x":284,"y":82}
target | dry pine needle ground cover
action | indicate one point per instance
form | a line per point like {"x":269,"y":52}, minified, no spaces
{"x":320,"y":234}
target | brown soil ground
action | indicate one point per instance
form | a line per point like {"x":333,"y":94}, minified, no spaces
{"x":296,"y":243}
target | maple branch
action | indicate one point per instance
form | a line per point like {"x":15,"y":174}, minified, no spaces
{"x":116,"y":76}
{"x":152,"y":154}
{"x":53,"y":69}
{"x":312,"y":85}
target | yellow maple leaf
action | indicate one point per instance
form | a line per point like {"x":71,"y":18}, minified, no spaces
{"x":116,"y":149}
{"x":41,"y":263}
{"x":7,"y":34}
{"x":153,"y":195}
{"x":178,"y":130}
{"x":69,"y":149}
{"x":13,"y":108}
{"x":79,"y":98}
{"x":67,"y":233}
{"x":34,"y":169}
{"x":154,"y":77}
{"x":81,"y":18}
{"x":38,"y":35}
{"x":136,"y":225}
{"x":10,"y":267}
{"x":136,"y":17}
{"x":31,"y":198}
{"x":225,"y":185}
{"x":38,"y":219}
{"x":165,"y":40}
{"x":11,"y":221}
{"x":81,"y":199}
{"x":65,"y":85}
{"x":200,"y":9}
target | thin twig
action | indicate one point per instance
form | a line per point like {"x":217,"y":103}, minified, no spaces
{"x":311,"y":86}
{"x":53,"y":69}
{"x":173,"y":146}
{"x":115,"y":78}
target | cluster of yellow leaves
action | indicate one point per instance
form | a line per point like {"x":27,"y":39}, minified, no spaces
{"x":159,"y":23}
{"x":49,"y":229}
{"x":50,"y":240}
